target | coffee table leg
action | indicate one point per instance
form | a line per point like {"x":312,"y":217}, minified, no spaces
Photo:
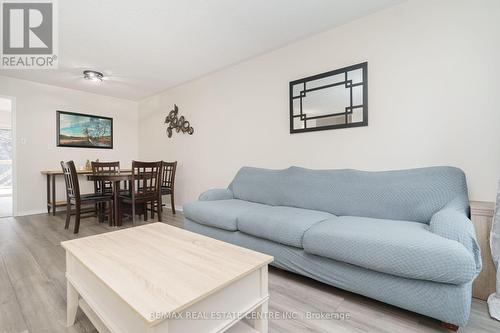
{"x":260,"y":322}
{"x":72,"y":304}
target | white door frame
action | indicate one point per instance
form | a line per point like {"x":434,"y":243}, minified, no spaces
{"x":14,"y":152}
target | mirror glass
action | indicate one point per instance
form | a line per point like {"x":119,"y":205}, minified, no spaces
{"x":336,"y":99}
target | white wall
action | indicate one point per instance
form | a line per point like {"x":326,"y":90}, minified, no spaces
{"x":5,"y":113}
{"x":434,"y":80}
{"x":35,"y":134}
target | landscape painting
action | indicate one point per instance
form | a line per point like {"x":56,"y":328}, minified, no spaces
{"x":84,"y":130}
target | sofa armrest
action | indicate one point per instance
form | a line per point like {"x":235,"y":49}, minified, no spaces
{"x":216,"y":194}
{"x":452,"y":222}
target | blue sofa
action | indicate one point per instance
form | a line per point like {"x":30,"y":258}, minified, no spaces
{"x":402,"y":237}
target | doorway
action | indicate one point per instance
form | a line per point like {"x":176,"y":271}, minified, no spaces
{"x":6,"y":155}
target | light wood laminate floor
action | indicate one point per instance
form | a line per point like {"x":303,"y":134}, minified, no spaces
{"x":33,"y":289}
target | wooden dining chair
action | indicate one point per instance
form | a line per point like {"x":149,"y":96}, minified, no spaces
{"x":144,"y":188}
{"x":167,"y":183}
{"x":99,"y":168}
{"x":75,"y":198}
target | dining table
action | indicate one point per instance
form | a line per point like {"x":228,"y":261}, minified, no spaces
{"x":115,"y":178}
{"x":51,"y":175}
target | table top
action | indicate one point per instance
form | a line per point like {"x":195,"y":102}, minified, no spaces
{"x":157,"y":268}
{"x":112,"y":176}
{"x":80,"y":172}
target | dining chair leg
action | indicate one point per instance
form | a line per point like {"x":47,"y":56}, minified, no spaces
{"x":152,"y":210}
{"x":158,"y":203}
{"x":103,"y":211}
{"x":145,"y":210}
{"x":172,"y":203}
{"x":118,"y":212}
{"x":117,"y":203}
{"x":110,"y":213}
{"x":68,"y":215}
{"x":77,"y":218}
{"x":133,"y":211}
{"x":100,"y":213}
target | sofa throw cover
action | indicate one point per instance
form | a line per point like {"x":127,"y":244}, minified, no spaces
{"x":411,"y":195}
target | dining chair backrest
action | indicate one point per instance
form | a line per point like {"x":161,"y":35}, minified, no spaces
{"x":146,"y":179}
{"x":71,"y":180}
{"x":99,"y":168}
{"x":168,"y":174}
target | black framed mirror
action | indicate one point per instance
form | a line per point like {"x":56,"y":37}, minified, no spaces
{"x":331,"y":100}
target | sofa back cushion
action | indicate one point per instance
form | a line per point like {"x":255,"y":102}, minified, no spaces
{"x":413,"y":195}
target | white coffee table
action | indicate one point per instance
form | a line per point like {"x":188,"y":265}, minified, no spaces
{"x":159,"y":278}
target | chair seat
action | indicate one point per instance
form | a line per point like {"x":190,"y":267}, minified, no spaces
{"x":402,"y":248}
{"x":109,"y":191}
{"x":127,"y":197}
{"x":166,"y":190}
{"x":96,"y":197}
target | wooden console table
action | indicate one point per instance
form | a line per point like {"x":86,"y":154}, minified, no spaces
{"x":482,"y":217}
{"x":51,"y":175}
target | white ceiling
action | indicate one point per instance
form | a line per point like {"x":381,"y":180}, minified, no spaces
{"x":144,"y":47}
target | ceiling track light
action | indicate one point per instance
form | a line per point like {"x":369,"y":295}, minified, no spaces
{"x":93,"y":75}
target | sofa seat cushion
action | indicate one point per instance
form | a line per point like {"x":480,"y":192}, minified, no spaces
{"x":401,"y":248}
{"x":285,"y":225}
{"x":221,"y":214}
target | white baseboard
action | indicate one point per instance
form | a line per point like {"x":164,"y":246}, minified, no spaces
{"x":177,"y":208}
{"x":31,"y":212}
{"x":44,"y":211}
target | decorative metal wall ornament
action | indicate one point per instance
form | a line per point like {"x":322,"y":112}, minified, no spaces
{"x":177,"y":124}
{"x":331,"y":100}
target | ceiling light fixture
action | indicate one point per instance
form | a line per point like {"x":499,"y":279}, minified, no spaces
{"x":93,"y":75}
